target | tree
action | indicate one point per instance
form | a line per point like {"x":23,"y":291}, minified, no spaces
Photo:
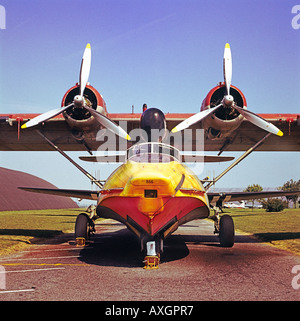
{"x":253,"y":188}
{"x":291,"y":186}
{"x":274,"y":204}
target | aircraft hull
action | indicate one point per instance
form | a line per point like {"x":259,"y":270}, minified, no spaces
{"x":145,"y":197}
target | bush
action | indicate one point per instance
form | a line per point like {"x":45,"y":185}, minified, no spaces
{"x":274,"y":204}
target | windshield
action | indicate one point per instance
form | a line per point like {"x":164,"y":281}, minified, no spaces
{"x":153,"y":153}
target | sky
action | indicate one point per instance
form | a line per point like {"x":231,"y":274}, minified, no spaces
{"x":166,"y":53}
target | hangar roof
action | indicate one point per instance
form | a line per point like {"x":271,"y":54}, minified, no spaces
{"x":11,"y":198}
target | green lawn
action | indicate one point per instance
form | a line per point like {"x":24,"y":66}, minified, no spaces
{"x":17,"y":228}
{"x":281,"y":229}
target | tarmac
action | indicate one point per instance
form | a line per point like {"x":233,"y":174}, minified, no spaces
{"x":193,"y":268}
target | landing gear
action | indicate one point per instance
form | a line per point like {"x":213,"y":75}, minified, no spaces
{"x":224,"y":226}
{"x":226,"y":232}
{"x":216,"y":219}
{"x":84,"y":227}
{"x":153,"y":250}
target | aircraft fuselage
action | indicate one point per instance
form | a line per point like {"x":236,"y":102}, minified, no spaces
{"x":152,"y":193}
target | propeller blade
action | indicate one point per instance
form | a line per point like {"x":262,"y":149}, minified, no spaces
{"x":85,"y":68}
{"x":194,"y":119}
{"x":227,"y":67}
{"x":259,"y":121}
{"x":43,"y":117}
{"x":109,"y":124}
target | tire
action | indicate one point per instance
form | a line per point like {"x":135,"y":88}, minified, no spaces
{"x":226,"y":235}
{"x":82,"y":226}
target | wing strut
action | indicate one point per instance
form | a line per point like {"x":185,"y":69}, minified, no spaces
{"x":249,"y":151}
{"x":92,"y":178}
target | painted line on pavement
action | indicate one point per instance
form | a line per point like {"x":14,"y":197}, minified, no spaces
{"x":42,"y":258}
{"x":15,"y":291}
{"x":44,"y":264}
{"x":33,"y":270}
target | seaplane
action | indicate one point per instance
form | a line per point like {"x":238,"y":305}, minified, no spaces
{"x":153,"y":191}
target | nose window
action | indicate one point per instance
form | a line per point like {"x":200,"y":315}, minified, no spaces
{"x":150,"y":193}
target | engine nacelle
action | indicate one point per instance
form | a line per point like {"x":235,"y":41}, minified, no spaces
{"x":80,"y":119}
{"x":226,"y":119}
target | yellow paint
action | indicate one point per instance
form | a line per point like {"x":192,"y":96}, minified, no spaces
{"x":151,"y":206}
{"x":280,"y":133}
{"x":135,"y":178}
{"x":151,"y":262}
{"x":80,"y":241}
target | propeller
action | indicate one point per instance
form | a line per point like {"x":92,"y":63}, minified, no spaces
{"x":194,"y":119}
{"x":46,"y":116}
{"x":79,"y":102}
{"x":228,"y":101}
{"x":85,"y":68}
{"x":227,"y":67}
{"x":109,"y":124}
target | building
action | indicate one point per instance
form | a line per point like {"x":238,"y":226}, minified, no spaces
{"x":12,"y":198}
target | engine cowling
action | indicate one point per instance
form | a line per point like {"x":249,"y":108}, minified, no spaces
{"x":80,"y":119}
{"x":226,"y":119}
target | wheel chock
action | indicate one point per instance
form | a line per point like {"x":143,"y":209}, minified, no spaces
{"x":80,"y":241}
{"x":151,"y":262}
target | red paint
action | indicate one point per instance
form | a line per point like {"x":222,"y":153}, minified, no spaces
{"x":169,"y":116}
{"x":207,"y":99}
{"x":175,"y":207}
{"x":100,"y":100}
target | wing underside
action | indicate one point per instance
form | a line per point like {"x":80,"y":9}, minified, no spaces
{"x":81,"y":194}
{"x":57,"y":130}
{"x":239,"y":196}
{"x":213,"y":197}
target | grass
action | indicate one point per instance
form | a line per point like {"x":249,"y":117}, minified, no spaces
{"x":281,"y":229}
{"x":17,"y":228}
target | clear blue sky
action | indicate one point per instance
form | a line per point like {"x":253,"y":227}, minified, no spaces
{"x":167,"y":53}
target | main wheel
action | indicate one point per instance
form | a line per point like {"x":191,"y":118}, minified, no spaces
{"x":226,"y":234}
{"x":82,"y":226}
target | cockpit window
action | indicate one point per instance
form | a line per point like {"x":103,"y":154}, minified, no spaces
{"x":153,"y":153}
